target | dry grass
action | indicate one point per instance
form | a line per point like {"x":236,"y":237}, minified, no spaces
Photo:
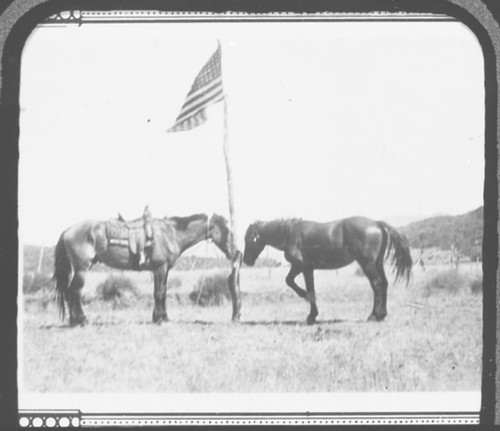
{"x":427,"y":343}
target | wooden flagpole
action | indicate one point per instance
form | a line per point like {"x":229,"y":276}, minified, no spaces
{"x":234,"y":277}
{"x":229,"y":173}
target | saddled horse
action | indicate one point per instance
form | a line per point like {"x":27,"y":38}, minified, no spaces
{"x":310,"y":245}
{"x":89,"y":242}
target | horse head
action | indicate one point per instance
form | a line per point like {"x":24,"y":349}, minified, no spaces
{"x":254,"y":244}
{"x":220,"y":234}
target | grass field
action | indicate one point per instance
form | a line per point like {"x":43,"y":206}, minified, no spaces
{"x":431,"y":339}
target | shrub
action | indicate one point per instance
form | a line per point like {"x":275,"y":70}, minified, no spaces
{"x":116,"y":288}
{"x":33,"y":283}
{"x":449,"y":281}
{"x":476,"y":284}
{"x":210,"y":290}
{"x":174,"y":282}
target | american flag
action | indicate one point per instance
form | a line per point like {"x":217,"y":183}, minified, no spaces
{"x":206,"y":89}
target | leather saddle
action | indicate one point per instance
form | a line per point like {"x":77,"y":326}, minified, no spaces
{"x":134,"y":234}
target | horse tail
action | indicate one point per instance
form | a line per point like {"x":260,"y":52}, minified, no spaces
{"x":401,"y":259}
{"x":62,"y":273}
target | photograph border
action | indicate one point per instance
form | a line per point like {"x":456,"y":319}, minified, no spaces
{"x":18,"y":20}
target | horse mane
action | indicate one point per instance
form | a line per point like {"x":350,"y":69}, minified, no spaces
{"x":287,"y":224}
{"x":278,"y":221}
{"x":283,"y":225}
{"x":183,"y":222}
{"x":290,"y":220}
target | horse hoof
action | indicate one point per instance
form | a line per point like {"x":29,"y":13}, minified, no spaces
{"x":311,"y":320}
{"x":159,"y":322}
{"x":236,"y":319}
{"x":375,"y":318}
{"x":160,"y":319}
{"x":82,"y":321}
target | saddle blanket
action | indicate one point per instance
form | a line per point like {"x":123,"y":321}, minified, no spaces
{"x":127,"y":234}
{"x":116,"y":229}
{"x":118,"y":241}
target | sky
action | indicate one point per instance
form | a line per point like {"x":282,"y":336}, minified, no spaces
{"x":325,"y":120}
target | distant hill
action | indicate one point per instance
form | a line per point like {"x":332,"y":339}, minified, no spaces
{"x":398,"y":221}
{"x":464,"y":232}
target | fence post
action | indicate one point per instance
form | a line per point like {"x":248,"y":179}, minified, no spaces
{"x":40,"y":261}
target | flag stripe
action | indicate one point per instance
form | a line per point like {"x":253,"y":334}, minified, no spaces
{"x":192,"y":100}
{"x":206,"y":89}
{"x":194,"y":121}
{"x":199,"y":91}
{"x":195,"y":110}
{"x":212,"y":98}
{"x":196,"y":102}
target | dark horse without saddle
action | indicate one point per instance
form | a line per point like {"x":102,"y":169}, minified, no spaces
{"x":89,"y":242}
{"x":310,"y":245}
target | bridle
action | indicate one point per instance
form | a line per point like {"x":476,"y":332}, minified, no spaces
{"x":227,"y":246}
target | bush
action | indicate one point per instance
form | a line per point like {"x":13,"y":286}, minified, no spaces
{"x":116,"y":288}
{"x":33,"y":283}
{"x":476,"y":285}
{"x":174,"y":282}
{"x":210,"y":290}
{"x":450,"y":281}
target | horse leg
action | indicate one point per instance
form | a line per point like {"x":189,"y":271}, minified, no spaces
{"x":290,"y":280}
{"x":379,"y":265}
{"x":234,"y":286}
{"x":73,"y":297}
{"x":310,"y":295}
{"x":160,"y":294}
{"x":379,"y":283}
